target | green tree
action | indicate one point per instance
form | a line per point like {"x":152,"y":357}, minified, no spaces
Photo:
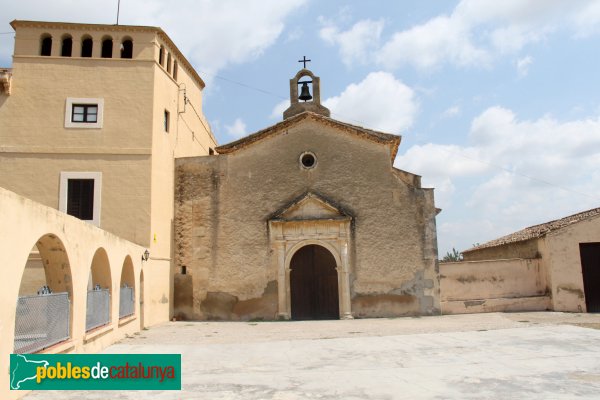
{"x":453,"y":256}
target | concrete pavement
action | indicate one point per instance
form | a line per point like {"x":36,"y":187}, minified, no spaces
{"x":483,"y":356}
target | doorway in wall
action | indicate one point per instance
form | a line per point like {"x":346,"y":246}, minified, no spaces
{"x":590,"y":267}
{"x":314,"y":284}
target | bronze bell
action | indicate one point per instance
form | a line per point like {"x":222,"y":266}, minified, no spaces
{"x":305,"y":92}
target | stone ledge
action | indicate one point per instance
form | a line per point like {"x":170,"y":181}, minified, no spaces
{"x":532,"y":303}
{"x":97,"y":332}
{"x":62,"y":347}
{"x":125,"y":320}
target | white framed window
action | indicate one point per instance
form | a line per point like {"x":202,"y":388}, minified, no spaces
{"x":80,"y":195}
{"x":84,"y":113}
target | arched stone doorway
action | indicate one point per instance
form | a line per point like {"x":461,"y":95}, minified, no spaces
{"x":314,"y":284}
{"x":311,"y":220}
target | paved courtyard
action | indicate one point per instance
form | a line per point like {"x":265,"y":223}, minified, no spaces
{"x":484,"y":356}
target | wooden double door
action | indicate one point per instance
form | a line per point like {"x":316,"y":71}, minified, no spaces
{"x":314,"y":284}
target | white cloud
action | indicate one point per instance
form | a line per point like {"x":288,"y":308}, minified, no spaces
{"x":478,"y":31}
{"x":451,"y":112}
{"x":279,"y":108}
{"x":379,"y":102}
{"x":237,"y":129}
{"x":517,"y":173}
{"x":424,"y":46}
{"x":523,"y":65}
{"x":211,"y":33}
{"x":587,"y":18}
{"x":357,"y":42}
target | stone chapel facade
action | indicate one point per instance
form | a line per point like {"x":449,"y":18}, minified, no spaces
{"x":306,"y":219}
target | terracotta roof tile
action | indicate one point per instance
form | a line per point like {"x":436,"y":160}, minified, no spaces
{"x":537,"y":231}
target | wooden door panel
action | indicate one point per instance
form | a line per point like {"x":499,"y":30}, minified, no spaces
{"x":314,"y":284}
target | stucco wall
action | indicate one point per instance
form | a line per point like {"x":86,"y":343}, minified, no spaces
{"x":131,"y":149}
{"x":525,"y":249}
{"x":493,"y":285}
{"x":24,"y":223}
{"x":223,"y":204}
{"x":563,"y":260}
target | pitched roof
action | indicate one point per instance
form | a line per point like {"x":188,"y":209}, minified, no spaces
{"x":392,"y":141}
{"x":537,"y":231}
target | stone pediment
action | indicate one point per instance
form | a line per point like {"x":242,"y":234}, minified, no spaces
{"x":310,"y":207}
{"x":392,"y":141}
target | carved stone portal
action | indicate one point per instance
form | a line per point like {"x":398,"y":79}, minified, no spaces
{"x":310,"y":220}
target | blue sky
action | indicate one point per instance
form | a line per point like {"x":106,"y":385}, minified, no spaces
{"x":497,"y":101}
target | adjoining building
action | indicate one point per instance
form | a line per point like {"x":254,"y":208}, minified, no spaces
{"x":550,"y":266}
{"x":305,"y":219}
{"x":92,"y":118}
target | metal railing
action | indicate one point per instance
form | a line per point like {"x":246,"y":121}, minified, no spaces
{"x":126,"y":302}
{"x":98,"y":308}
{"x":41,"y":321}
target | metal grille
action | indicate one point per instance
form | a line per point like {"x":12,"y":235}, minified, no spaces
{"x":98,"y":308}
{"x":41,"y":321}
{"x":126,"y":302}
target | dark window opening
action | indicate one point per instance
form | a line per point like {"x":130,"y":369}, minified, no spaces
{"x":166,"y":121}
{"x":107,"y":45}
{"x":211,"y":151}
{"x":308,"y":160}
{"x":169,"y":62}
{"x":175,"y":70}
{"x":85,"y":113}
{"x":161,"y":55}
{"x":80,"y":198}
{"x":86,"y":47}
{"x":127,"y":49}
{"x":183,"y":270}
{"x":67,"y":47}
{"x":46,"y":49}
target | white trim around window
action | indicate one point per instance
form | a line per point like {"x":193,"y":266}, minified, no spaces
{"x":63,"y":193}
{"x":69,"y":123}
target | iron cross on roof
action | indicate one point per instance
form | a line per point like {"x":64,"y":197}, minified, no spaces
{"x":304,"y":61}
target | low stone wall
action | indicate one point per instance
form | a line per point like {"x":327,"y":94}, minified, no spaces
{"x":493,"y":285}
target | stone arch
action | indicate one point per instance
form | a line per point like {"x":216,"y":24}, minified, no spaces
{"x":33,"y":322}
{"x":100,"y":271}
{"x":87,"y":46}
{"x":307,"y":242}
{"x":339,"y":250}
{"x":66,"y":45}
{"x":107,"y":47}
{"x":56,"y":263}
{"x":127,"y":282}
{"x":314,"y":283}
{"x":127,"y":273}
{"x":126,"y":47}
{"x":46,"y":44}
{"x":99,"y":290}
